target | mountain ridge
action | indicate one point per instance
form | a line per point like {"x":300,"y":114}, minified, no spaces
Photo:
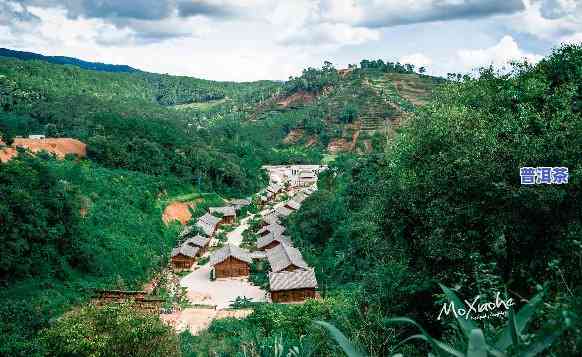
{"x":64,"y":60}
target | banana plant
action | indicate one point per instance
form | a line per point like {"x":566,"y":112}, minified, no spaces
{"x":510,"y":338}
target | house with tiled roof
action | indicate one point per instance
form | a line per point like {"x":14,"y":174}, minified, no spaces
{"x":184,"y":256}
{"x":230,"y":261}
{"x":292,"y":286}
{"x":227,"y":214}
{"x":284,"y":257}
{"x":274,"y":228}
{"x":272,"y":240}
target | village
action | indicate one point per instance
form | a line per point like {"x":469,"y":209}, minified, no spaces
{"x":215,"y":273}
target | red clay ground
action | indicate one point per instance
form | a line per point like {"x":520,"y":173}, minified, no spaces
{"x":60,"y":147}
{"x":296,"y":98}
{"x":178,"y":211}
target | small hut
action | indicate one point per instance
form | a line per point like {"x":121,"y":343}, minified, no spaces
{"x":283,"y":211}
{"x":230,"y":261}
{"x":200,"y":242}
{"x":239,"y":203}
{"x":307,"y":178}
{"x":273,"y":190}
{"x":292,"y":205}
{"x":272,"y":240}
{"x":292,"y":286}
{"x":208,"y":223}
{"x":284,"y":257}
{"x":184,"y":256}
{"x":228,"y":214}
{"x":271,"y":218}
{"x":274,"y":228}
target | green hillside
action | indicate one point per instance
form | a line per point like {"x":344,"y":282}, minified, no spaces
{"x":423,"y":188}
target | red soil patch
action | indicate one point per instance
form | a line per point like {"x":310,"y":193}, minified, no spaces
{"x":7,"y":154}
{"x":311,"y":141}
{"x":296,"y":98}
{"x":344,"y":72}
{"x":338,"y":145}
{"x":178,"y":211}
{"x":60,"y":147}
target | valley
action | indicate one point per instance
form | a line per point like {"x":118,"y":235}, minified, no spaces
{"x":208,"y":198}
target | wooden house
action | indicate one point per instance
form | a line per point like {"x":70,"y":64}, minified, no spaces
{"x":271,"y":218}
{"x":274,"y":228}
{"x":230,"y":261}
{"x":228,"y":214}
{"x":184,"y":256}
{"x":199,"y":242}
{"x":272,"y":240}
{"x":284,"y":257}
{"x":283,"y":211}
{"x":208,"y":223}
{"x":292,"y":205}
{"x":306,"y":178}
{"x":273,"y":191}
{"x":239,"y":203}
{"x":292,"y":286}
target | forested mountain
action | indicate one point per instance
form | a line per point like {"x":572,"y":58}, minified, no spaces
{"x":103,"y":67}
{"x":423,"y":187}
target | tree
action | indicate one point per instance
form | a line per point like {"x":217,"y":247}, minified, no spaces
{"x":52,"y":131}
{"x":112,"y":330}
{"x":349,"y":113}
{"x":422,"y":70}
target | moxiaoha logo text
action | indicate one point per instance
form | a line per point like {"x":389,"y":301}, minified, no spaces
{"x":478,"y":311}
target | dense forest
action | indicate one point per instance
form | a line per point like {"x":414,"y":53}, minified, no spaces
{"x":435,"y":199}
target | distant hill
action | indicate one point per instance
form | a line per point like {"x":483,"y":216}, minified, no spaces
{"x":95,"y":66}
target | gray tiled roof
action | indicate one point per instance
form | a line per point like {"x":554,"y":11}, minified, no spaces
{"x":292,"y":204}
{"x":271,"y":237}
{"x":208,"y":223}
{"x":258,"y":255}
{"x":198,"y":241}
{"x":272,"y":228}
{"x":289,"y":280}
{"x":271,"y":218}
{"x":230,"y":250}
{"x":210,"y":219}
{"x":226,"y":210}
{"x":238,"y":203}
{"x":186,"y":250}
{"x":283,"y":256}
{"x":283,"y":211}
{"x":274,"y":188}
{"x":299,"y":197}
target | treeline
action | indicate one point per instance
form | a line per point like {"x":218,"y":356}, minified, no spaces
{"x":313,"y":80}
{"x":25,"y":82}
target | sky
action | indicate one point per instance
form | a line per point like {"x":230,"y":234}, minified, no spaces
{"x":245,"y":40}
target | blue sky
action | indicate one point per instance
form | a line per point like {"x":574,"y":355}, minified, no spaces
{"x":268,"y":39}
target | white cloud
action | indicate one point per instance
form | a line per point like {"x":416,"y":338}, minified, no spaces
{"x":417,"y":59}
{"x":498,"y":55}
{"x":330,"y":34}
{"x":550,"y":20}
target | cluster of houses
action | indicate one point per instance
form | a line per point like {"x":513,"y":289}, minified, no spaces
{"x":290,"y":278}
{"x":294,"y":175}
{"x":195,"y":240}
